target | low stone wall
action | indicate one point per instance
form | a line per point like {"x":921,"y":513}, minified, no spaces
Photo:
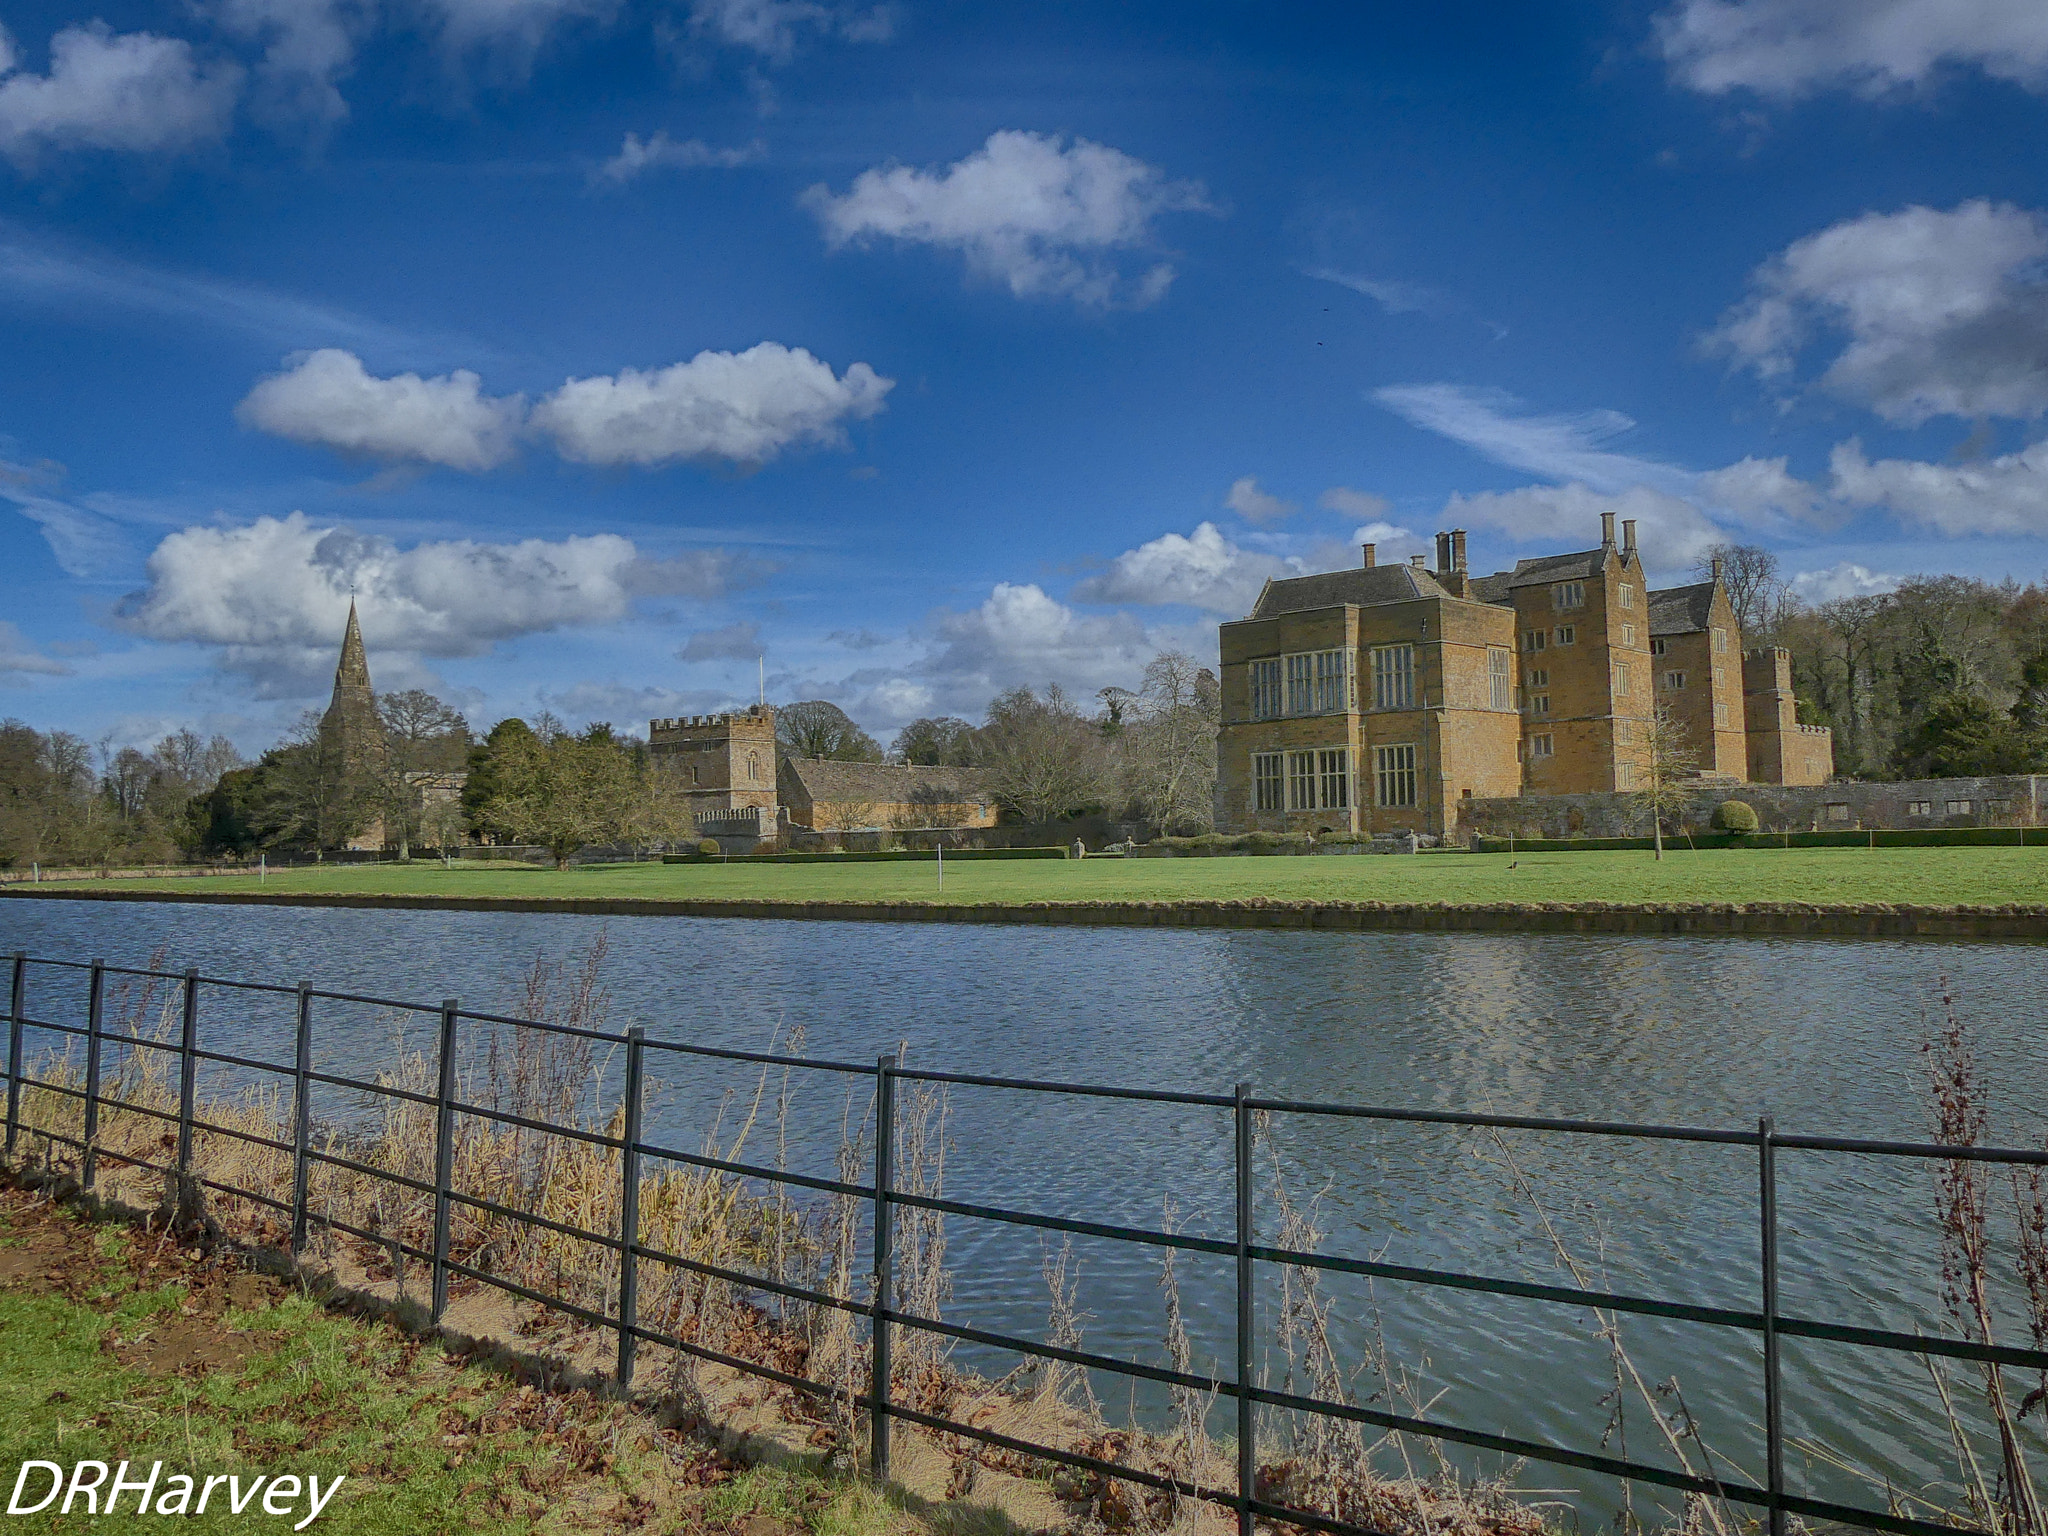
{"x":2014,"y":800}
{"x":1782,"y":919}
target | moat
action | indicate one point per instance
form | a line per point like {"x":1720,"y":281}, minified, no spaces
{"x":1823,"y":1035}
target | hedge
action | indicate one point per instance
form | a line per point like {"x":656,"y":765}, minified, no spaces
{"x":893,"y":856}
{"x":1924,"y":837}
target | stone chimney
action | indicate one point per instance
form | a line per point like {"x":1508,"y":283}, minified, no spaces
{"x":1628,"y":534}
{"x":1607,"y":530}
{"x":1371,"y":553}
{"x":1420,"y":562}
{"x":1443,"y":551}
{"x":1717,"y":570}
{"x":1457,"y":549}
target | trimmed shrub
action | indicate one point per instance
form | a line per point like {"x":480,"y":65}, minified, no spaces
{"x":1734,"y":816}
{"x":707,"y":848}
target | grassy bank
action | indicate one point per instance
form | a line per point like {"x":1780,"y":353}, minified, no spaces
{"x":1922,"y":876}
{"x":125,"y":1346}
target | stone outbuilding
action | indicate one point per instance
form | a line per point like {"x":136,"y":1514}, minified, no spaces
{"x":825,"y":795}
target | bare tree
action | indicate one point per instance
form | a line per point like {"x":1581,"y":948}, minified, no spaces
{"x":818,"y":728}
{"x":1044,"y":759}
{"x":1755,"y":588}
{"x":1670,"y":762}
{"x":1169,"y":742}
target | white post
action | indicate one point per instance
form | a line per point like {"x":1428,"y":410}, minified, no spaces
{"x":262,"y":867}
{"x":942,"y":861}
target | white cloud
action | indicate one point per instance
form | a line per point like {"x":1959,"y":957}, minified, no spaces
{"x":327,"y":398}
{"x":770,"y":28}
{"x":1844,"y":579}
{"x":745,"y":407}
{"x":309,"y":45}
{"x":511,"y":31}
{"x":1395,"y":297}
{"x":735,"y":642}
{"x":274,"y":593}
{"x":1200,"y":570}
{"x":1019,"y":636}
{"x":1341,"y":498}
{"x":1673,"y":532}
{"x":1027,"y":210}
{"x":2003,"y":495}
{"x":1560,"y":447}
{"x":637,"y":155}
{"x":628,"y":707}
{"x":131,"y":91}
{"x":1944,"y":313}
{"x":1788,"y":48}
{"x":1391,"y":542}
{"x":1759,"y":490}
{"x":1254,"y":505}
{"x":19,"y":658}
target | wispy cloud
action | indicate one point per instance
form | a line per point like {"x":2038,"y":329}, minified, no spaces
{"x":1570,"y":446}
{"x":37,"y":270}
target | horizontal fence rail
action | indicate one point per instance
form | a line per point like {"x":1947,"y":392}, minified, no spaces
{"x":1768,"y":1323}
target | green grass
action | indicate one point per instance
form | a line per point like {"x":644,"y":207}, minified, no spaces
{"x":119,"y":1347}
{"x":1919,"y":876}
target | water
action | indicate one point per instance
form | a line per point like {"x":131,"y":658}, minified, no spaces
{"x":1823,"y":1035}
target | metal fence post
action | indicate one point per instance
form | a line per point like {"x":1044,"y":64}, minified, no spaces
{"x":1774,"y":1425}
{"x":885,"y":1244}
{"x":629,"y":1214}
{"x":1247,"y":1453}
{"x":14,"y":1007}
{"x":302,"y":1114}
{"x":95,"y":995}
{"x":444,"y":1155}
{"x":188,"y":1078}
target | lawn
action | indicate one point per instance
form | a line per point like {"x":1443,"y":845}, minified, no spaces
{"x":1918,"y":876}
{"x":125,"y":1346}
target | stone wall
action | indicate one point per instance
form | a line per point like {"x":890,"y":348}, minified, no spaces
{"x":2009,"y":801}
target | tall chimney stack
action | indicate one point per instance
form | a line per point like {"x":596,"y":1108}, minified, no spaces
{"x":1607,"y":530}
{"x":1370,"y":551}
{"x":1457,"y":549}
{"x":1628,"y":534}
{"x":1717,"y":569}
{"x":1443,"y":551}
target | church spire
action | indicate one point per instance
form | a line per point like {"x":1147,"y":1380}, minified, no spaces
{"x":351,"y":738}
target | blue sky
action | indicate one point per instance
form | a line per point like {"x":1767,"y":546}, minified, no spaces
{"x":606,"y":346}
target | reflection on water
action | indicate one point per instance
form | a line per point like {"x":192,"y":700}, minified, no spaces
{"x":1823,"y":1035}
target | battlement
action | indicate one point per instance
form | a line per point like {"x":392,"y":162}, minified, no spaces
{"x":757,"y":715}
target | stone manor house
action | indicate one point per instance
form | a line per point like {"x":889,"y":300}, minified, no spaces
{"x":1379,"y":699}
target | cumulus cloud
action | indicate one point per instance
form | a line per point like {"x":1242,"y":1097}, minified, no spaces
{"x":130,"y":91}
{"x":1254,"y":505}
{"x":273,"y":594}
{"x":1019,"y":636}
{"x":2003,"y":495}
{"x":1200,"y":570}
{"x":1943,"y":314}
{"x":732,"y":643}
{"x":1844,"y":579}
{"x":1759,"y":490}
{"x":328,"y":399}
{"x":18,"y":658}
{"x":1341,"y":498}
{"x":1027,"y":210}
{"x":771,"y":28}
{"x":309,"y":46}
{"x":638,"y":155}
{"x":744,"y":407}
{"x":1789,"y":48}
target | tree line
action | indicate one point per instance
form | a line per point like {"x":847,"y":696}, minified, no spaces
{"x":430,"y":783}
{"x":1942,"y":677}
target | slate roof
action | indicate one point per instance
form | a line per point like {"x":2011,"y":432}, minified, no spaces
{"x":1541,"y":572}
{"x":1361,"y":586}
{"x":823,"y":779}
{"x":1681,"y":610}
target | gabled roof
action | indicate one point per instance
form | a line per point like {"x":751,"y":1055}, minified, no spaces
{"x":1360,"y":586}
{"x":887,"y":783}
{"x":1491,"y":589}
{"x":1541,"y":572}
{"x":1682,"y":610}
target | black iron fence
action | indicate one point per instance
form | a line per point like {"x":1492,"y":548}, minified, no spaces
{"x":1768,"y":1323}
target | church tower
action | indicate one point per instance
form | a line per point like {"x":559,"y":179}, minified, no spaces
{"x":351,"y":737}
